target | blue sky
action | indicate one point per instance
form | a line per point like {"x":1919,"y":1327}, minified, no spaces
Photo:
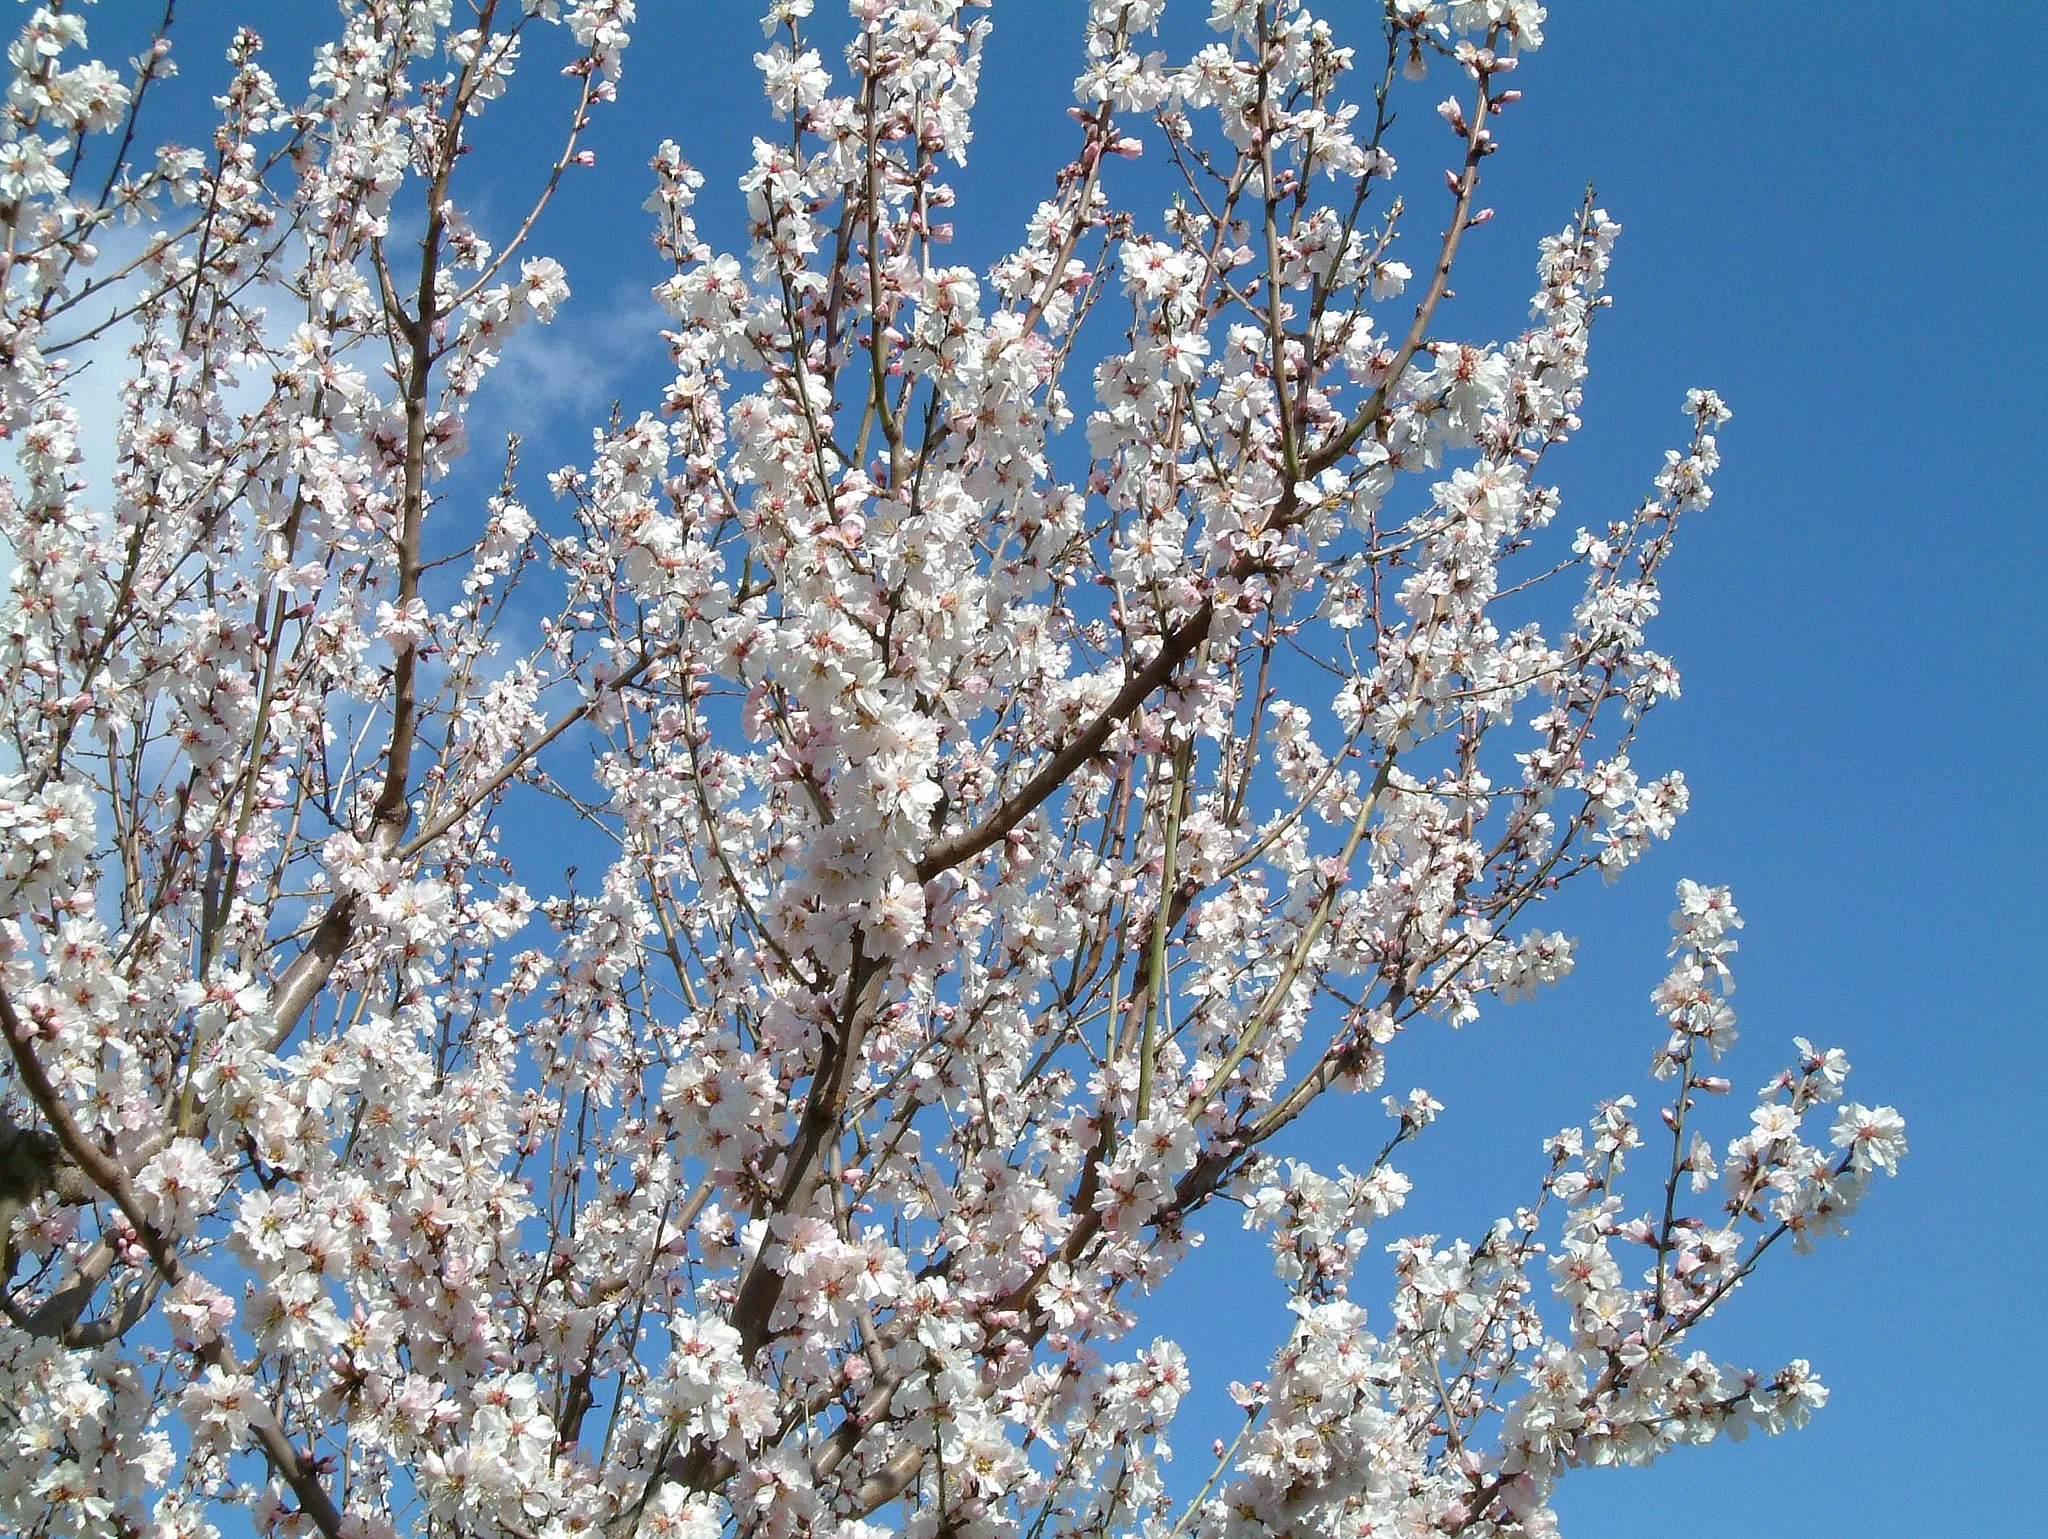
{"x":1833,"y":216}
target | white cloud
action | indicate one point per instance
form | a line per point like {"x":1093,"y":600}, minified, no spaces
{"x":556,"y":383}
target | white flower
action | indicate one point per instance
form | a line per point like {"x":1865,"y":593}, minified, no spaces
{"x":1873,"y":1135}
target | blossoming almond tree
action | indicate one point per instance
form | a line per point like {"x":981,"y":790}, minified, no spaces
{"x":1035,"y":731}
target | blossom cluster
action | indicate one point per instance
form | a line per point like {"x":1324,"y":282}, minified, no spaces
{"x":1029,"y":733}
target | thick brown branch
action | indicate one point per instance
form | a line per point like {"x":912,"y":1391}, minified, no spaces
{"x":1179,"y":644}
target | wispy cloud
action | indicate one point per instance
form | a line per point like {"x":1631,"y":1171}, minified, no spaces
{"x":558,"y":382}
